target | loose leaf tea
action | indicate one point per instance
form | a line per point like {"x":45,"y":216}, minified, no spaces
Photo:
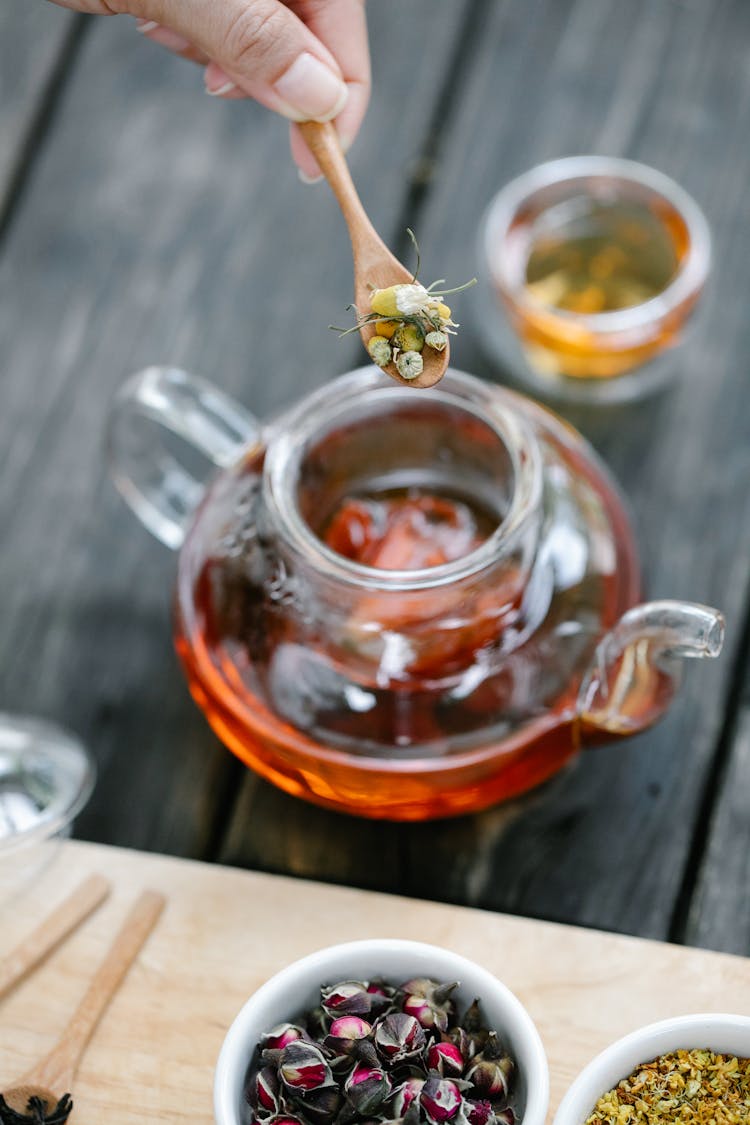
{"x":697,"y":1086}
{"x":371,"y":1052}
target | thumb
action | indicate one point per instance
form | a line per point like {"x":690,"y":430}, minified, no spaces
{"x":266,"y":51}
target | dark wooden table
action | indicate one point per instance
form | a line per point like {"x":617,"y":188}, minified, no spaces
{"x":142,"y":222}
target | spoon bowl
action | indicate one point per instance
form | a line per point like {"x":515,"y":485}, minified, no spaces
{"x":375,"y":267}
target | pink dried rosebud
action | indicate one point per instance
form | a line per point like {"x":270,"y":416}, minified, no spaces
{"x":348,"y":998}
{"x":367,"y":1087}
{"x":405,"y":1095}
{"x":446,"y":1060}
{"x":490,"y":1071}
{"x":263,"y":1092}
{"x":458,"y":1037}
{"x":398,"y":1037}
{"x":479,"y":1113}
{"x":346,"y":1030}
{"x":283,"y":1119}
{"x":279,"y":1036}
{"x":429,"y":1002}
{"x":505,"y":1117}
{"x":441,"y":1100}
{"x":349,"y":1038}
{"x":302,"y":1066}
{"x":381,"y":995}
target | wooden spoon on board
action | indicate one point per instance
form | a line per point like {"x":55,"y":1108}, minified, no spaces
{"x":38,"y":1096}
{"x":374,"y":265}
{"x":50,"y":933}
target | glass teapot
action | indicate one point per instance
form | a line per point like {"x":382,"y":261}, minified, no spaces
{"x":398,"y":604}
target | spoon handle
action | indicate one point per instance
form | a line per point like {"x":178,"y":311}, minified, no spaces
{"x":52,"y":931}
{"x":57,"y":1070}
{"x":323,"y":142}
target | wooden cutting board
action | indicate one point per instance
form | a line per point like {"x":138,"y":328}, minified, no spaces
{"x":225,"y":931}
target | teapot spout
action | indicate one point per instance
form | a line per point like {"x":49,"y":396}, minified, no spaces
{"x":637,"y":666}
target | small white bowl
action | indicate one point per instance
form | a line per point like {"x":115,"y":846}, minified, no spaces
{"x":297,"y":988}
{"x":723,"y":1034}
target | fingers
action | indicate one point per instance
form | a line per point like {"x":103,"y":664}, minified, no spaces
{"x":342,"y":27}
{"x":175,"y":43}
{"x":347,"y":125}
{"x":265,"y":49}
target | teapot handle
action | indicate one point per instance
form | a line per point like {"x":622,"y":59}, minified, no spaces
{"x":637,"y":665}
{"x":161,"y":417}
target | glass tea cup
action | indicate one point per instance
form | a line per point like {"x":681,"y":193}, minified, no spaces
{"x":335,"y":640}
{"x":592,"y":267}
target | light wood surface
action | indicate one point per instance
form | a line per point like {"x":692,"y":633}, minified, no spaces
{"x":225,"y":931}
{"x":63,"y":918}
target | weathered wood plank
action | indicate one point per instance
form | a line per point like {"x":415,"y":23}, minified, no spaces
{"x":160,"y":226}
{"x":605,"y":843}
{"x":31,"y":38}
{"x":719,"y":915}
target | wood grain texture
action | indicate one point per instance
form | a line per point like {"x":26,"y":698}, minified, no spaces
{"x":161,"y":226}
{"x":224,"y":932}
{"x":606,"y":843}
{"x":31,"y":38}
{"x":719,"y":917}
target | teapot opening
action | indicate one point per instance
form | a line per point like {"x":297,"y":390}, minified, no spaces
{"x":394,"y":490}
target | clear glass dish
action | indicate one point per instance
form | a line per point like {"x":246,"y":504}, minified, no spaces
{"x":46,"y":777}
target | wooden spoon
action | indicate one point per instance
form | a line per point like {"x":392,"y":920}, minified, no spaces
{"x":39,"y":1092}
{"x":52,"y":931}
{"x":374,"y":265}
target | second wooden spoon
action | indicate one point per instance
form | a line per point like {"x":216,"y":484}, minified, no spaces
{"x":374,"y":265}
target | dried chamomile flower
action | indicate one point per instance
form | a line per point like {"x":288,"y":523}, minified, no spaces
{"x":437,"y":340}
{"x":407,"y":317}
{"x":410,"y":365}
{"x":380,"y":351}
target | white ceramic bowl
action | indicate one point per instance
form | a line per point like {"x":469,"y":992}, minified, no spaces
{"x":296,"y":989}
{"x":723,"y":1034}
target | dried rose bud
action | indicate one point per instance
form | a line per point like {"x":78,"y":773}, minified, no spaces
{"x":283,"y":1119}
{"x":317,"y":1023}
{"x":367,"y":1087}
{"x":490,"y":1071}
{"x":320,"y":1105}
{"x":381,"y":995}
{"x":446,"y":1060}
{"x":349,"y":1037}
{"x":398,"y":1037}
{"x":479,"y":1113}
{"x":348,"y":998}
{"x":441,"y":1100}
{"x":263,"y":1092}
{"x":302,"y":1066}
{"x":505,"y":1117}
{"x":472,"y":1020}
{"x":406,"y":1095}
{"x":279,"y":1036}
{"x":458,"y":1037}
{"x":428,"y":1002}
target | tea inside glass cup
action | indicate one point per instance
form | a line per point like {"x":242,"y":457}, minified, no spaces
{"x":595,"y":266}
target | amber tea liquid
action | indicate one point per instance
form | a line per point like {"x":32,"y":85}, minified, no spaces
{"x":586,"y":257}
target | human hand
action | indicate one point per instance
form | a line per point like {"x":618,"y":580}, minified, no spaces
{"x":305,"y":59}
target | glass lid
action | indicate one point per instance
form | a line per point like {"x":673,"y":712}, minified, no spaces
{"x":46,"y":777}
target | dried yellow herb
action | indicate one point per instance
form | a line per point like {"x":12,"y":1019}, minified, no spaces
{"x":681,"y":1088}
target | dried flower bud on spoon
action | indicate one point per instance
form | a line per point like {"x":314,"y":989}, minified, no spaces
{"x":372,"y":1052}
{"x":407,"y":318}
